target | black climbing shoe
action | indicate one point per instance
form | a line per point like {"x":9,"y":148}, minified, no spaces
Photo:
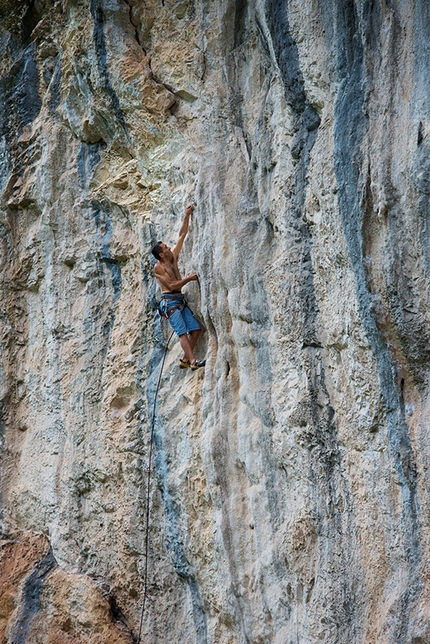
{"x":184,"y":364}
{"x":197,"y":364}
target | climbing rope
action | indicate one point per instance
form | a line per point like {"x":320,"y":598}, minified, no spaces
{"x":148,"y":489}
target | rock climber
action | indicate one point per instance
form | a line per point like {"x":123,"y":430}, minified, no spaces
{"x":173,"y":305}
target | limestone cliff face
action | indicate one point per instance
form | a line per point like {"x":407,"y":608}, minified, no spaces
{"x":290,"y":495}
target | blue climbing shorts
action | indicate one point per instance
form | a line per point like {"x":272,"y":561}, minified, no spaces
{"x":182,"y":320}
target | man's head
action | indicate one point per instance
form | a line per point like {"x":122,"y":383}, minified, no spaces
{"x":161,"y":251}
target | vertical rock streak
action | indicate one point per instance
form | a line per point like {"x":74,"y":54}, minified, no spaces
{"x":350,"y":131}
{"x":326,"y":470}
{"x":31,"y":598}
{"x":96,"y":8}
{"x":172,"y":511}
{"x":55,"y":85}
{"x":420,"y":105}
{"x":175,"y":540}
{"x":99,"y":317}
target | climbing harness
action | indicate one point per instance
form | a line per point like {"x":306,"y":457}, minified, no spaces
{"x":149,"y":470}
{"x":162,"y":307}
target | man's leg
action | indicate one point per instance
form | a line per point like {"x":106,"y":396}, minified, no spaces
{"x":193,"y":328}
{"x":188,"y":349}
{"x":193,"y":336}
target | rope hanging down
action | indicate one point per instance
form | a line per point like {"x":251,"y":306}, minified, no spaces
{"x":151,"y":443}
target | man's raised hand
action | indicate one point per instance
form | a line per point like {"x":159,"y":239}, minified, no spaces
{"x":189,"y":209}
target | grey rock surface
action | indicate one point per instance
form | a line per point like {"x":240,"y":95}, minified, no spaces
{"x":289,"y":499}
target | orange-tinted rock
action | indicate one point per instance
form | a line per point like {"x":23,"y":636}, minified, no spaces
{"x":17,"y":561}
{"x":39,"y":602}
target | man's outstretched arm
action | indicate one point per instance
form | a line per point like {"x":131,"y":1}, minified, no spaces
{"x":184,"y":230}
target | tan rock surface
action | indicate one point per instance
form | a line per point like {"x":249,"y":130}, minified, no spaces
{"x":290,"y":495}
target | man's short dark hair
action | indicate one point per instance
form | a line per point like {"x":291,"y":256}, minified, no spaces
{"x":157,"y":250}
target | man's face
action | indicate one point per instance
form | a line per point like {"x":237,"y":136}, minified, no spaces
{"x":167,"y":253}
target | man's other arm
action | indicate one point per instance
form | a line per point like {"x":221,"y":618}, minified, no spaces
{"x":166,"y":281}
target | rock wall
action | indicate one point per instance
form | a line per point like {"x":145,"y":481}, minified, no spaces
{"x":289,"y":501}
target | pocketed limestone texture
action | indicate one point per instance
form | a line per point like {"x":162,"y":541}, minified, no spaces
{"x":290,"y":488}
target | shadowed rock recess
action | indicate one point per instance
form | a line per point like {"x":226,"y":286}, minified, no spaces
{"x":289,"y":497}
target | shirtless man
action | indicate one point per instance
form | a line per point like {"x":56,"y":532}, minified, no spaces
{"x":173,"y":303}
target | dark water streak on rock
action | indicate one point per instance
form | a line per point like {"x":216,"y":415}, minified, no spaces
{"x":173,"y":533}
{"x":101,"y":54}
{"x":31,"y":598}
{"x":350,"y":129}
{"x":326,"y":471}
